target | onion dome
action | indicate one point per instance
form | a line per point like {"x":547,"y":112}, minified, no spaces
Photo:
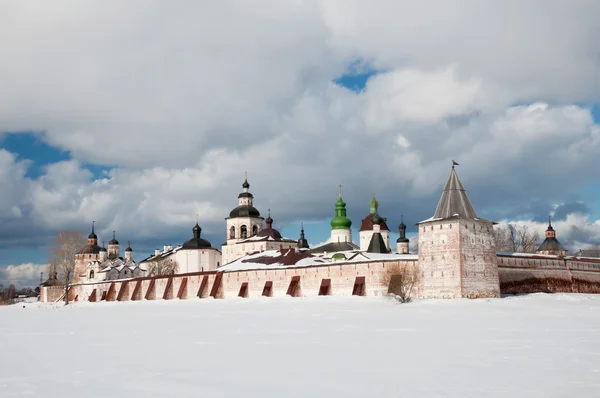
{"x":103,"y":249}
{"x":114,"y":240}
{"x":129,"y":249}
{"x":244,"y":211}
{"x":550,"y":229}
{"x":340,"y":221}
{"x":269,"y":220}
{"x":402,"y":230}
{"x":246,"y":184}
{"x":93,"y":234}
{"x":197,"y":242}
{"x":373,"y":205}
{"x":269,"y":231}
{"x":376,"y":219}
{"x":302,"y":242}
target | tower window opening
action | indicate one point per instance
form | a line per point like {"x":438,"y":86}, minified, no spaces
{"x":232,"y":233}
{"x":244,"y":232}
{"x":254,"y":230}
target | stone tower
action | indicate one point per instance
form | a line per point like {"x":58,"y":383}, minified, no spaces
{"x":457,"y":254}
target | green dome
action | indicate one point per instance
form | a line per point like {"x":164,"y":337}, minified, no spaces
{"x":340,"y":221}
{"x":373,"y":205}
{"x":339,"y":256}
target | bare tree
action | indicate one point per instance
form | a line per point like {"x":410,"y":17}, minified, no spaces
{"x":164,"y":266}
{"x":401,"y":280}
{"x":519,"y":239}
{"x":529,"y":240}
{"x":61,"y":261}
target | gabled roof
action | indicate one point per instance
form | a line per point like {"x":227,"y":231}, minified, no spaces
{"x":454,"y":201}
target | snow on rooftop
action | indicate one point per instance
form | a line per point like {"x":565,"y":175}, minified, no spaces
{"x":270,"y":259}
{"x":526,"y":346}
{"x":290,"y":258}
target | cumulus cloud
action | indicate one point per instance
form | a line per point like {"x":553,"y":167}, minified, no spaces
{"x":180,"y":99}
{"x":26,"y":274}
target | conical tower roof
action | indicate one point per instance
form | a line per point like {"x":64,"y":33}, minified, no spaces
{"x":454,"y":201}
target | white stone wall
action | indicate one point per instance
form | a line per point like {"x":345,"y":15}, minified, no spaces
{"x":402,"y":247}
{"x":479,"y":268}
{"x":439,"y":258}
{"x":341,"y":235}
{"x":237,"y":223}
{"x":197,"y":260}
{"x":458,"y":259}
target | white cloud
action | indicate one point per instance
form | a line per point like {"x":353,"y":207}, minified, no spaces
{"x":576,"y":231}
{"x":183,"y":98}
{"x":26,"y":274}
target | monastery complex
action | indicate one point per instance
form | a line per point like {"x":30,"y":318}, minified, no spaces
{"x":456,"y":258}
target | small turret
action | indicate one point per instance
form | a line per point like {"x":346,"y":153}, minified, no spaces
{"x":377,"y":244}
{"x":92,"y":238}
{"x":114,"y":250}
{"x":103,"y":255}
{"x":551,"y":245}
{"x":402,"y":243}
{"x":302,"y":242}
{"x":341,"y":225}
{"x":129,"y":253}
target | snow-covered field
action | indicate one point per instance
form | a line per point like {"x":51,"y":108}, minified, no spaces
{"x":530,"y":346}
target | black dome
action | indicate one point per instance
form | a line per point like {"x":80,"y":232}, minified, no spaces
{"x":197,"y":243}
{"x":376,"y":219}
{"x":270,"y":232}
{"x":91,"y":249}
{"x":113,"y":242}
{"x":103,"y":249}
{"x":244,"y":211}
{"x":246,"y":185}
{"x":92,"y":236}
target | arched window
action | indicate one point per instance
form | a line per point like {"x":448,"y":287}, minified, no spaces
{"x":232,"y":233}
{"x":92,"y":274}
{"x":244,"y":231}
{"x":254,"y":230}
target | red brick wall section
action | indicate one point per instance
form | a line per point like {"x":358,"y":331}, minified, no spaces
{"x":168,"y":294}
{"x":137,"y":292}
{"x":203,"y":290}
{"x":123,"y":292}
{"x":151,"y":292}
{"x":182,"y":292}
{"x":111,"y":295}
{"x":217,"y":288}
